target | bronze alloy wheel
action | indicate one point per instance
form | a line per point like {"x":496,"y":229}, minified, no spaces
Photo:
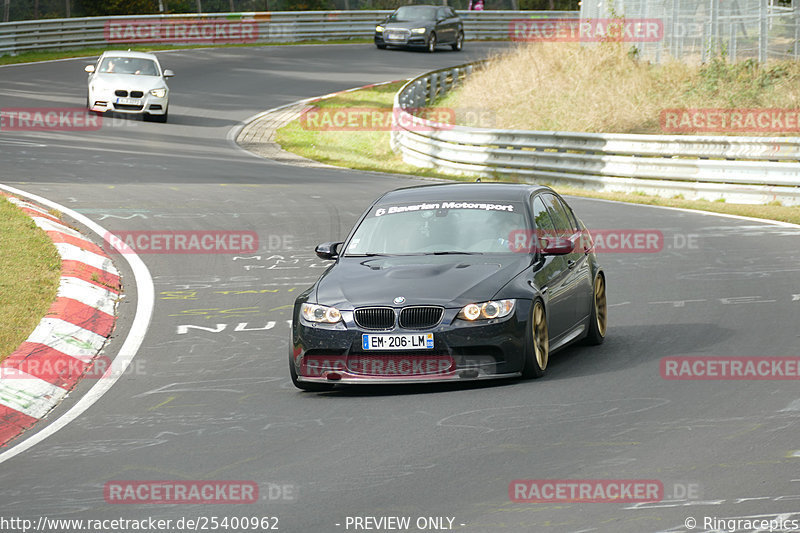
{"x":541,"y":340}
{"x":600,"y":309}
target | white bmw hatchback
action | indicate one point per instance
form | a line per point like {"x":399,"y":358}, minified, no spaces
{"x":129,"y":82}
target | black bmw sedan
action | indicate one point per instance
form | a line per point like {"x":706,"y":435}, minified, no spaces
{"x":450,"y":282}
{"x":421,"y":27}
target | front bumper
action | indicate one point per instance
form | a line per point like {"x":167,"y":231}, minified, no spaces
{"x":462,"y":351}
{"x":406,"y":39}
{"x":106,"y":100}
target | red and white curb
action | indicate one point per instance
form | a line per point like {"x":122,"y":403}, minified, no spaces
{"x":66,"y":343}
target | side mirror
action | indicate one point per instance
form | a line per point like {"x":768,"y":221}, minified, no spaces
{"x":89,"y":68}
{"x":168,"y":73}
{"x":556,"y":246}
{"x":328,"y":250}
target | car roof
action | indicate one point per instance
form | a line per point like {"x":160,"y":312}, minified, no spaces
{"x":128,"y":53}
{"x":486,"y":191}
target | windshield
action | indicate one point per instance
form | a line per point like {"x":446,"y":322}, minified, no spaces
{"x":129,"y":65}
{"x":408,"y":13}
{"x":438,"y":227}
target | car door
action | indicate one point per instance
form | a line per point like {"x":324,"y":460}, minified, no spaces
{"x":444,"y":25}
{"x":552,"y":275}
{"x":579,"y":282}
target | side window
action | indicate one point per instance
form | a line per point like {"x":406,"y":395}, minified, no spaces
{"x":442,"y":13}
{"x":562,"y":219}
{"x":544,"y":224}
{"x":450,"y":13}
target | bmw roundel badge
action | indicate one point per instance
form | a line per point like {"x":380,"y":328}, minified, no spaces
{"x":399,"y":300}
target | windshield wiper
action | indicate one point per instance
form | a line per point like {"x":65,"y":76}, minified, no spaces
{"x":454,"y":252}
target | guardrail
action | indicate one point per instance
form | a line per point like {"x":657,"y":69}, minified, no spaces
{"x":265,"y":27}
{"x":742,"y":169}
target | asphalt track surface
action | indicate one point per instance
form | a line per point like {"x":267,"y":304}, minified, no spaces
{"x":220,"y":406}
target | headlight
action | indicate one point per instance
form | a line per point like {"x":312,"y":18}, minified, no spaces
{"x":487,"y":310}
{"x":379,"y":28}
{"x":159,"y":93}
{"x":320,"y":313}
{"x":418,"y":30}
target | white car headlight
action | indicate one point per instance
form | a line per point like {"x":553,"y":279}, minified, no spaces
{"x":159,"y":93}
{"x":320,"y":313}
{"x":379,"y":28}
{"x":487,"y":310}
{"x":418,"y":30}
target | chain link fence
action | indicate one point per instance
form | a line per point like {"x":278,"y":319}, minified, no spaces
{"x":696,"y":30}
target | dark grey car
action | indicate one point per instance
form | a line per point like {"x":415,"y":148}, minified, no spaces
{"x":421,"y":27}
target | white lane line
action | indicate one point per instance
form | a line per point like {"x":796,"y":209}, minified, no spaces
{"x":70,"y":252}
{"x":141,"y":321}
{"x":87,"y":293}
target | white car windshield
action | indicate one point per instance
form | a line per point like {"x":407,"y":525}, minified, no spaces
{"x":128,"y":65}
{"x":438,"y":228}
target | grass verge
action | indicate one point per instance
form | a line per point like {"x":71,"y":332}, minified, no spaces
{"x":361,"y":150}
{"x":605,"y":88}
{"x":30,"y":268}
{"x":49,"y":55}
{"x":370,"y":150}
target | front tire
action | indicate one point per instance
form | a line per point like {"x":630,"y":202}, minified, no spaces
{"x":432,"y":43}
{"x":537,"y":343}
{"x":310,"y":387}
{"x":156,"y":118}
{"x":459,"y":44}
{"x":598,"y":321}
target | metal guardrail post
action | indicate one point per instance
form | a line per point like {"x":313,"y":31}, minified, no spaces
{"x":796,"y":19}
{"x":762,"y":31}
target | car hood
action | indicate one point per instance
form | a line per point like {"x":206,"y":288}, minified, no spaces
{"x":447,"y":280}
{"x":130,"y":81}
{"x":410,"y":24}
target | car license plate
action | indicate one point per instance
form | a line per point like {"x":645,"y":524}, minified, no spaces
{"x":129,"y":101}
{"x":421,"y":341}
{"x":391,"y":36}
